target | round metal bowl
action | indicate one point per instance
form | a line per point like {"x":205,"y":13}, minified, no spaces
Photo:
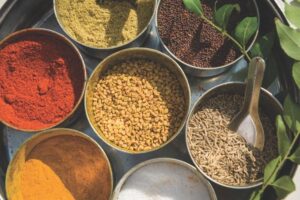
{"x":58,"y":37}
{"x":151,"y":54}
{"x":205,"y":72}
{"x":25,"y":149}
{"x":104,"y":52}
{"x":268,"y":102}
{"x":123,"y":180}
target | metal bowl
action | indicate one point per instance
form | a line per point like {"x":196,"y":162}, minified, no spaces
{"x":104,"y":52}
{"x":123,"y":180}
{"x":205,"y":72}
{"x":151,"y":54}
{"x":59,"y":37}
{"x":268,"y":102}
{"x":25,"y":149}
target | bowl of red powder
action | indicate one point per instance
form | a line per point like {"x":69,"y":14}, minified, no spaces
{"x":42,"y":79}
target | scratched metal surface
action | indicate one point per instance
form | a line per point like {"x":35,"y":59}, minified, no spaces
{"x":39,"y":13}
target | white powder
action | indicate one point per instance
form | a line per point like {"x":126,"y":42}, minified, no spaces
{"x":164,"y":181}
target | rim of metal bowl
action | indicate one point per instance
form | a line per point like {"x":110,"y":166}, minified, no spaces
{"x":258,"y":182}
{"x":186,"y":165}
{"x":188,"y":103}
{"x":105,"y":48}
{"x":66,"y":131}
{"x":56,"y":36}
{"x":226,"y":65}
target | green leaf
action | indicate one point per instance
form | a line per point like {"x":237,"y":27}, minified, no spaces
{"x":263,"y":46}
{"x":245,"y":30}
{"x":282,"y":137}
{"x":269,"y":169}
{"x":289,"y":40}
{"x":271,"y":72}
{"x":222,"y":15}
{"x":194,"y":6}
{"x":291,"y":114}
{"x":293,"y":14}
{"x":296,"y":73}
{"x":256,"y":195}
{"x":283,"y":186}
{"x":295,"y":157}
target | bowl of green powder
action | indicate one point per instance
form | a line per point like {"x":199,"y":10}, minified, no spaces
{"x":101,"y":28}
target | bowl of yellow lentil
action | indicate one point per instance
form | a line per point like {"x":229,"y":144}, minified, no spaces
{"x":102,"y":28}
{"x":137,"y":100}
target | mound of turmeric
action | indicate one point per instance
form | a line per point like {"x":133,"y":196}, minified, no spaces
{"x":65,"y":168}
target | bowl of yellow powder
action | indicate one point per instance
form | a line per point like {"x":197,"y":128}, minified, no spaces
{"x":103,"y":28}
{"x":59,"y":164}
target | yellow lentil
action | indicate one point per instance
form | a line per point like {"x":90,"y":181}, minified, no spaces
{"x":138,"y":104}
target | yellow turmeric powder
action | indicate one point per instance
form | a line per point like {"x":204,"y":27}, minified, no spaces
{"x":65,"y":168}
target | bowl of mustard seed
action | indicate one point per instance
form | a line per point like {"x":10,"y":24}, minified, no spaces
{"x":137,"y":100}
{"x":224,"y":156}
{"x":103,"y":27}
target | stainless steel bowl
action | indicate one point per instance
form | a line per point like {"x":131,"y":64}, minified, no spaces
{"x":205,"y":72}
{"x":59,"y":37}
{"x":268,"y":102}
{"x":123,"y":180}
{"x":129,"y":54}
{"x":24,"y":150}
{"x":104,"y":52}
{"x":2,"y":177}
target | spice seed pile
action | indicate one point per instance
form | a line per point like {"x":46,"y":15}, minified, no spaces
{"x":138,"y":104}
{"x":222,"y":154}
{"x":194,"y":41}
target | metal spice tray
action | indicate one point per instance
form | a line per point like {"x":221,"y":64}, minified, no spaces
{"x":16,"y":15}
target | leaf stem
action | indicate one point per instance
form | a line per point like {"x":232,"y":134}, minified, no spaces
{"x":224,"y":32}
{"x":280,"y":165}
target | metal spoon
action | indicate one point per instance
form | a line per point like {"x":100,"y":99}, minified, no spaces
{"x":247,"y":122}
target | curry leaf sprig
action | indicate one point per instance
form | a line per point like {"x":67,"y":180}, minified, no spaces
{"x":243,"y":31}
{"x":288,"y":125}
{"x":289,"y":122}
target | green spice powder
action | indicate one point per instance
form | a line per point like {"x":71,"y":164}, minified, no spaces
{"x":112,"y":23}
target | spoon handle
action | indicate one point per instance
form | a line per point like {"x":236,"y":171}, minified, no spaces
{"x":254,"y":82}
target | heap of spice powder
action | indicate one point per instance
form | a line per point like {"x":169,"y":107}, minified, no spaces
{"x":64,"y":167}
{"x":194,"y":41}
{"x":164,"y":180}
{"x":107,"y":24}
{"x":138,"y":104}
{"x":40,"y":81}
{"x":223,"y":154}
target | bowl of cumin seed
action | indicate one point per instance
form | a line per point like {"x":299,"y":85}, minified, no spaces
{"x":221,"y":155}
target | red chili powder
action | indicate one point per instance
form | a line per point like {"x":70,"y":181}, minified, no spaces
{"x":41,"y":80}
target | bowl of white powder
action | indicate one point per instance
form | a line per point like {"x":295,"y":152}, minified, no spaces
{"x":163,"y":179}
